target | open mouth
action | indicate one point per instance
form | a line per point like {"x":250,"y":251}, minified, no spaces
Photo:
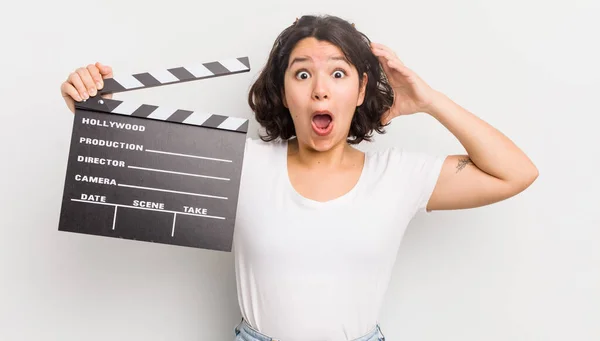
{"x":322,"y":123}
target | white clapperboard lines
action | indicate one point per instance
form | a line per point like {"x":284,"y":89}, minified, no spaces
{"x":151,"y":173}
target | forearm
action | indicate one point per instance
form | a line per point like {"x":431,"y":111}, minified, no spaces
{"x":488,"y":148}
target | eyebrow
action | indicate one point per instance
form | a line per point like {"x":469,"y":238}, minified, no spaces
{"x":305,"y":59}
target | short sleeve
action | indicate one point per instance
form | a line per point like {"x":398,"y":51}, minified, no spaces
{"x":420,"y":172}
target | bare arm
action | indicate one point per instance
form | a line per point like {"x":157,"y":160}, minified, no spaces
{"x":494,"y":168}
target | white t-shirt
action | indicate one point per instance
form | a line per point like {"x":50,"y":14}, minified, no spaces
{"x":309,"y":270}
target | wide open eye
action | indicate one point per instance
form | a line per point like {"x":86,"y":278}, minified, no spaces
{"x":339,"y":74}
{"x":302,"y":75}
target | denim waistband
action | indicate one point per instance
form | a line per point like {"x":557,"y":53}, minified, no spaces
{"x":245,"y":332}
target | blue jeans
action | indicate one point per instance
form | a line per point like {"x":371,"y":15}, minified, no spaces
{"x":245,"y":332}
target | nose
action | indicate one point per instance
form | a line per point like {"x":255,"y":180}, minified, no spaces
{"x":320,"y":90}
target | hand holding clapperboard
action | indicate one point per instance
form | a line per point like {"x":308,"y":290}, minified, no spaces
{"x":149,"y":173}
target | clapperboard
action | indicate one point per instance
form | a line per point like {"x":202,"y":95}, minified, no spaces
{"x":149,"y":173}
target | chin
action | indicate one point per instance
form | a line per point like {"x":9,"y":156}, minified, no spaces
{"x":322,"y":146}
{"x":321,"y":143}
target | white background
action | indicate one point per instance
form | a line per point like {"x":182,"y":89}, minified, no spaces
{"x":524,"y":269}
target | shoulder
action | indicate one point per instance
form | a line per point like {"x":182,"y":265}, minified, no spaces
{"x":413,"y":174}
{"x":403,"y":160}
{"x":405,"y":168}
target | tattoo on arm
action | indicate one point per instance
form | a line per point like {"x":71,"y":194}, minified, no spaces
{"x":462,"y":163}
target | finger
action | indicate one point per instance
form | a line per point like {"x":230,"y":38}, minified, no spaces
{"x":387,"y":52}
{"x":384,"y":64}
{"x":76,"y":81}
{"x":105,"y":70}
{"x":96,"y":76}
{"x":385,"y":48}
{"x":377,"y":45}
{"x":384,"y":53}
{"x":88,"y":81}
{"x":68,"y":89}
{"x":396,"y":65}
{"x":391,"y":63}
{"x":109,"y":96}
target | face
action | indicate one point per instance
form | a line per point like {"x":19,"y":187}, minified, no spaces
{"x":321,"y":90}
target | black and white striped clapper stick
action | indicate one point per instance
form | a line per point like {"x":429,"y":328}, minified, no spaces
{"x":165,"y":77}
{"x":149,"y":173}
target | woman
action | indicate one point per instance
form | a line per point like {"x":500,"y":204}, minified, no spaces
{"x":319,"y":222}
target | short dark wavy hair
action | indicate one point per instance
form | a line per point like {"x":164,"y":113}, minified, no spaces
{"x":265,"y":95}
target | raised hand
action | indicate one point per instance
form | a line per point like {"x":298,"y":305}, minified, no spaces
{"x":84,"y":83}
{"x":411,"y":93}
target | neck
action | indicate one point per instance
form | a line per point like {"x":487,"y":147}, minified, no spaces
{"x":310,"y":158}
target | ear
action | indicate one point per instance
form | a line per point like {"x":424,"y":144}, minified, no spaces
{"x":362,"y":90}
{"x":283,"y":100}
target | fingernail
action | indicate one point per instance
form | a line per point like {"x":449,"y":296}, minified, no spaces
{"x":85,"y":95}
{"x":93,"y":92}
{"x":78,"y":98}
{"x":99,"y":85}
